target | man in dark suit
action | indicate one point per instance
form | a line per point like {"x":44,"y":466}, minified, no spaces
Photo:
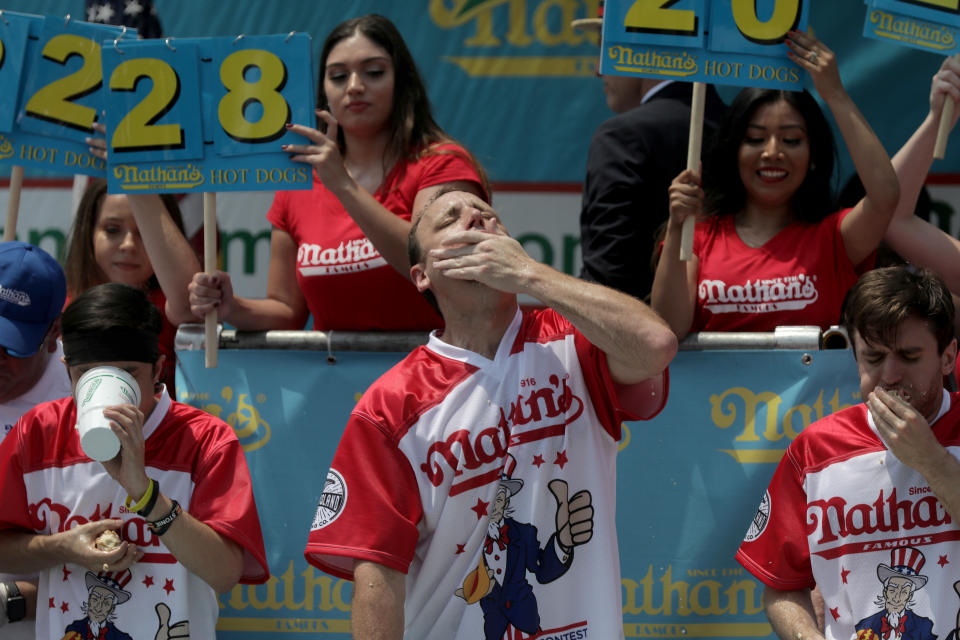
{"x":633,"y":158}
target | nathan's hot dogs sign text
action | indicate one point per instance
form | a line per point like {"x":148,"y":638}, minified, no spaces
{"x":738,"y":42}
{"x":930,"y":25}
{"x":203,"y":114}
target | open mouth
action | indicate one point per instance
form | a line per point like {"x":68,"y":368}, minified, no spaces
{"x":901,"y":393}
{"x":772,"y":175}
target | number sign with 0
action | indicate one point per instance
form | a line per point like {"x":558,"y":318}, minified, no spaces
{"x":51,"y":67}
{"x":206,"y":114}
{"x":739,"y":42}
{"x":930,"y":25}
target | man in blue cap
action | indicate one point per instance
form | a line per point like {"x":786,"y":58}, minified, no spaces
{"x":32,"y":291}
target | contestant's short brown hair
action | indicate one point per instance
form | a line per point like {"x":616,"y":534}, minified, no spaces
{"x":882,"y":299}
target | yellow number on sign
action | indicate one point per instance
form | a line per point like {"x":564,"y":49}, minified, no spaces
{"x":786,"y":16}
{"x":137,"y":131}
{"x":54,"y":101}
{"x":952,"y":6}
{"x":241,"y":93}
{"x":656,"y":16}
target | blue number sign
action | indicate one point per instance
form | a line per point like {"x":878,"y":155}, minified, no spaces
{"x":51,"y":70}
{"x":930,"y":25}
{"x":737,"y":42}
{"x":206,"y":114}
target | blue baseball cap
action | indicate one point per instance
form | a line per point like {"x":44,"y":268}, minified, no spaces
{"x":32,"y":291}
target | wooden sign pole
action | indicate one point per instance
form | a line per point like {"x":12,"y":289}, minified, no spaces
{"x":13,"y":203}
{"x":210,"y":266}
{"x":693,"y":161}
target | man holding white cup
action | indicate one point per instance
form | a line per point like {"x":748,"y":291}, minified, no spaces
{"x":178,"y":493}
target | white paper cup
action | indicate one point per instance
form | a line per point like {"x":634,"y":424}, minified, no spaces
{"x":97,"y":389}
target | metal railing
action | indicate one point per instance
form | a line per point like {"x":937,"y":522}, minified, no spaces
{"x":190,"y":337}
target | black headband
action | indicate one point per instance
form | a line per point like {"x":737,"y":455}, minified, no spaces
{"x":115,"y":344}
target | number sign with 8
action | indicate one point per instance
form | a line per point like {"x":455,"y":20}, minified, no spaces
{"x":207,"y":114}
{"x":736,"y":42}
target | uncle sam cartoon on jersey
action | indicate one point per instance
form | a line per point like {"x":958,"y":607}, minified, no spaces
{"x":105,"y":592}
{"x":512,"y":549}
{"x":896,"y":618}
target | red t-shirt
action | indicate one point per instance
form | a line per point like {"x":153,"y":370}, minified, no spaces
{"x":799,"y":277}
{"x":346,"y":282}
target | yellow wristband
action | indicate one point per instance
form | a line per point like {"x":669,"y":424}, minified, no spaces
{"x":143,"y":501}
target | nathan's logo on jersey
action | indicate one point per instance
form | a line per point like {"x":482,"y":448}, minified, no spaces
{"x":759,"y":296}
{"x":48,"y":515}
{"x":347,"y":257}
{"x":760,"y":520}
{"x":332,"y":501}
{"x":836,"y":519}
{"x":490,"y":444}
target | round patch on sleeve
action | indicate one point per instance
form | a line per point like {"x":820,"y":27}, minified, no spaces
{"x":760,"y":520}
{"x":332,"y":502}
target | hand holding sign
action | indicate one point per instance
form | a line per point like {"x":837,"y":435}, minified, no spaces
{"x":819,"y":61}
{"x":944,"y":85}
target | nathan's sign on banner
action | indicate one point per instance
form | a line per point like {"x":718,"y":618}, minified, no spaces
{"x":206,"y":114}
{"x":930,"y":25}
{"x":738,"y":42}
{"x":51,"y":76}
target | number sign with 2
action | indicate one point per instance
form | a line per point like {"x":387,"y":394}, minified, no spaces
{"x":207,"y":114}
{"x":52,"y":69}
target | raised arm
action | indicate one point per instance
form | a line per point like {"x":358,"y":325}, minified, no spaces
{"x":377,"y":608}
{"x":909,"y":437}
{"x":173,"y":259}
{"x":387,"y":231}
{"x":791,"y":614}
{"x":204,"y":552}
{"x":637,"y":342}
{"x":171,"y":256}
{"x":864,"y":226}
{"x":913,"y":238}
{"x":674,"y":294}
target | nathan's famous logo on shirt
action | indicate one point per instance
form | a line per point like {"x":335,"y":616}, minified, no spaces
{"x":48,"y":515}
{"x":759,"y":296}
{"x":835,"y":520}
{"x":530,"y":410}
{"x":347,"y":257}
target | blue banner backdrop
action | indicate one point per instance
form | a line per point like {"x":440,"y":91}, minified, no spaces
{"x":689,"y":481}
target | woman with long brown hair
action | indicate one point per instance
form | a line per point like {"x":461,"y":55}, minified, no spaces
{"x":338,"y":251}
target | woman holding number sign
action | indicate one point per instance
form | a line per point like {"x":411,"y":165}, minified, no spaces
{"x":339,"y":251}
{"x":135,"y":239}
{"x":773,"y":251}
